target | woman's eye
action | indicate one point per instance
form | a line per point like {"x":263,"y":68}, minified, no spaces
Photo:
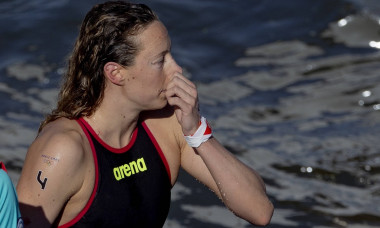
{"x":160,"y":61}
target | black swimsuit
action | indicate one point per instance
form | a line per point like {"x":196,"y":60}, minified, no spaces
{"x":132,"y":185}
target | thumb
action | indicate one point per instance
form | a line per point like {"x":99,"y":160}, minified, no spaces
{"x":178,"y":114}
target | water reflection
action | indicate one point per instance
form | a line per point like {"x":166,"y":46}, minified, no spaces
{"x":301,"y":109}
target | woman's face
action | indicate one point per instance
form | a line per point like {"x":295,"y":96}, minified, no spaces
{"x":147,"y":79}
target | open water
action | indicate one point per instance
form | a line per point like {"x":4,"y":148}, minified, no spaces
{"x":291,"y":87}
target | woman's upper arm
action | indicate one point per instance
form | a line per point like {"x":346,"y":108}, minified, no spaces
{"x":50,"y":176}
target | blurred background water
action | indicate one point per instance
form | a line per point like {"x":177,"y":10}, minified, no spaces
{"x":291,"y":87}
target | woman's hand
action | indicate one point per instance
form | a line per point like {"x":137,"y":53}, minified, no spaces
{"x":182,"y":94}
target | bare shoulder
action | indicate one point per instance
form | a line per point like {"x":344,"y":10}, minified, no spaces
{"x":53,"y":170}
{"x":62,"y":139}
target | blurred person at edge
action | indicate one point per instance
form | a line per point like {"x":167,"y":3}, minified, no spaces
{"x":9,"y":209}
{"x":125,"y":122}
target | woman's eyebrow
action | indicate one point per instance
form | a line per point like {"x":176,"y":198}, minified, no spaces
{"x":163,"y":53}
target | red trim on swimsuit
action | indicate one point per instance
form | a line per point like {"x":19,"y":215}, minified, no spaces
{"x":84,"y":125}
{"x":2,"y":166}
{"x":81,"y":122}
{"x":158,"y":148}
{"x":108,"y":147}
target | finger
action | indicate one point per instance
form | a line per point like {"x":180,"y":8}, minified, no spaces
{"x":181,"y":107}
{"x":179,"y":78}
{"x":178,"y":87}
{"x":186,"y":80}
{"x":187,"y":116}
{"x":179,"y":92}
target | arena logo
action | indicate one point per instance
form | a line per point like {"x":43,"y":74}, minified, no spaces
{"x":129,"y":169}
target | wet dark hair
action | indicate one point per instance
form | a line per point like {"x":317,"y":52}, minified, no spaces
{"x":107,"y":34}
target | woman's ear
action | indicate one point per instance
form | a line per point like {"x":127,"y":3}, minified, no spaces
{"x":112,"y":71}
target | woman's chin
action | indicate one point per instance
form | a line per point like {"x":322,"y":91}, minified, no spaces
{"x":160,"y":105}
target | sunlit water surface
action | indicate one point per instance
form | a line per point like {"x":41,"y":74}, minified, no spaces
{"x":293,"y":89}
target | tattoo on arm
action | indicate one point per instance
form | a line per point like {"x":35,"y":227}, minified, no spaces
{"x":49,"y":160}
{"x":42,"y":183}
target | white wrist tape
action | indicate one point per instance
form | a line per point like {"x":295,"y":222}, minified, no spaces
{"x":202,"y":134}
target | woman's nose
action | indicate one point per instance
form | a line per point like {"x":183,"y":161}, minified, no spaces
{"x":174,"y":67}
{"x":177,"y":68}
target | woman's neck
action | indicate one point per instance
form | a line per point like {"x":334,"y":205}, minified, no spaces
{"x":114,"y":126}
